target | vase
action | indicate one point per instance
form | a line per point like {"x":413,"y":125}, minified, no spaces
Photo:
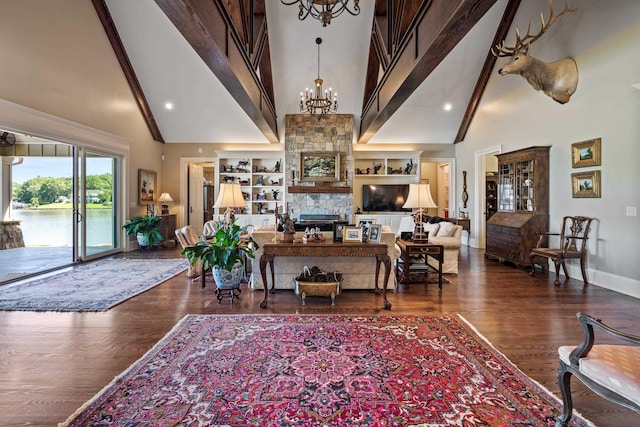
{"x":228,"y":282}
{"x":142,"y":240}
{"x":226,"y":279}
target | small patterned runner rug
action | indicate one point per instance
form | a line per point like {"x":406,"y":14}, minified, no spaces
{"x":306,"y":370}
{"x":96,"y":286}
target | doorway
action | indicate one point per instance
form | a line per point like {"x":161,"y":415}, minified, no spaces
{"x":485,"y":161}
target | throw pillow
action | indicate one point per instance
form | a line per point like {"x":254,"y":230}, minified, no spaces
{"x":432,"y":229}
{"x":447,"y":229}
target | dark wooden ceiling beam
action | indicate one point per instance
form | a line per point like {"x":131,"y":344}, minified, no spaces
{"x":118,"y":48}
{"x":490,"y":61}
{"x":208,"y":28}
{"x":437,"y":29}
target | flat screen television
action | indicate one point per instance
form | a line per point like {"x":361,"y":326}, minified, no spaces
{"x":384,"y":197}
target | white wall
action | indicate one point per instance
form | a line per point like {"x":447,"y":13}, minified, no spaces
{"x":604,"y":39}
{"x":58,"y":60}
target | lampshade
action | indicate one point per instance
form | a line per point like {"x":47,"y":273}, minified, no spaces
{"x":165,"y":197}
{"x":230,"y":196}
{"x":419,"y":197}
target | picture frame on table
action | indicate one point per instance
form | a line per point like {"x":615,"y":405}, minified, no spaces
{"x":147,"y":181}
{"x":586,"y":184}
{"x":366,"y":224}
{"x":375,"y":233}
{"x":352,"y":233}
{"x":323,"y":166}
{"x":586,"y":153}
{"x":338,"y":230}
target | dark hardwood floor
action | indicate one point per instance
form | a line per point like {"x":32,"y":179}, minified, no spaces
{"x":51,"y":363}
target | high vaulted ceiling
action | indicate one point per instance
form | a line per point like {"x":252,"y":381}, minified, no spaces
{"x":229,"y":80}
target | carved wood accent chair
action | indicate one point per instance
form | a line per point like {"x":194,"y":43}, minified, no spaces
{"x":573,"y":245}
{"x":611,"y":371}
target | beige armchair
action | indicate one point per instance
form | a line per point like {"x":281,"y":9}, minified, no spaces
{"x":611,"y":371}
{"x":187,"y":237}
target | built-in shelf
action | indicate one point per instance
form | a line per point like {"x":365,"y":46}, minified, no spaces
{"x":323,"y":190}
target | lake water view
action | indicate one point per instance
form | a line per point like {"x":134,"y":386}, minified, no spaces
{"x":54,"y":227}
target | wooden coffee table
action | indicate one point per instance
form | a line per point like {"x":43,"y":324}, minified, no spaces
{"x":328,"y":249}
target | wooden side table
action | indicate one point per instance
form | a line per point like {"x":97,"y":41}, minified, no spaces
{"x":410,"y":249}
{"x":168,"y":228}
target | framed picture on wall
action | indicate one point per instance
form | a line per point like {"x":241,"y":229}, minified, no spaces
{"x":586,"y":184}
{"x":146,"y":186}
{"x":320,"y":166}
{"x":586,"y":153}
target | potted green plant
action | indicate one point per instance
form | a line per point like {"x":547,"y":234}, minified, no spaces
{"x":224,"y":254}
{"x":145,"y":228}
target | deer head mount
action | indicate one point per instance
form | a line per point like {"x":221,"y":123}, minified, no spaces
{"x":556,"y":79}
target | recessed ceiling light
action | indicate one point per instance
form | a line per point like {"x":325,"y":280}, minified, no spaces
{"x":447,"y":107}
{"x":168,"y":106}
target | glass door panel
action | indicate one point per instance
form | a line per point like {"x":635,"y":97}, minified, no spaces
{"x":97,"y":226}
{"x":524,"y":186}
{"x":505,"y":187}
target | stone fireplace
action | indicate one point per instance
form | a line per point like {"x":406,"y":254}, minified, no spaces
{"x":304,"y":133}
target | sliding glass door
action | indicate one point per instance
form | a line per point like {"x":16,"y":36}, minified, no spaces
{"x":96,"y":231}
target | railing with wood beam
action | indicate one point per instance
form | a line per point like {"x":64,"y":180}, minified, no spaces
{"x":209,"y":29}
{"x":485,"y":74}
{"x":436,"y":28}
{"x":120,"y":52}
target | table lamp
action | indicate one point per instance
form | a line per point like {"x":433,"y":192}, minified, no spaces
{"x":420,"y":198}
{"x":165,"y":199}
{"x":230,"y":197}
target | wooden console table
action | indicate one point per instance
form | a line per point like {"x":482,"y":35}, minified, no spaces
{"x":409,"y":249}
{"x":327,"y":248}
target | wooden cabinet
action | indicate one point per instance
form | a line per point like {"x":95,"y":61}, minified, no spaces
{"x":523,"y":205}
{"x":168,"y":228}
{"x":491,"y":194}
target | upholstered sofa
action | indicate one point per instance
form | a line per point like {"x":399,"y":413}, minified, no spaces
{"x":357,"y":273}
{"x":444,"y":233}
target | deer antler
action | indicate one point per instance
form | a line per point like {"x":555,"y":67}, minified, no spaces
{"x":523,"y":43}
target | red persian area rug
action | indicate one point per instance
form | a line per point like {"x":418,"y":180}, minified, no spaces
{"x":305,"y":370}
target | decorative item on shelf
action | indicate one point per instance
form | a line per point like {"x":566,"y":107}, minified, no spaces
{"x":314,"y":101}
{"x":323,"y":10}
{"x":409,"y":167}
{"x":277,"y":166}
{"x":376,"y":168}
{"x":230,"y":197}
{"x":275,"y":194}
{"x":242,"y":166}
{"x":420,"y":198}
{"x":465,"y":195}
{"x":165,"y":199}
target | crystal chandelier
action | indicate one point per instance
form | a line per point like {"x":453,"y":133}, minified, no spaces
{"x":323,"y":10}
{"x":313,"y":101}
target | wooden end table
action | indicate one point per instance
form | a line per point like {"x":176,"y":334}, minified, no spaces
{"x":408,"y":249}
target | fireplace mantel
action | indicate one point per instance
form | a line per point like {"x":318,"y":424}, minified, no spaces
{"x":318,"y":190}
